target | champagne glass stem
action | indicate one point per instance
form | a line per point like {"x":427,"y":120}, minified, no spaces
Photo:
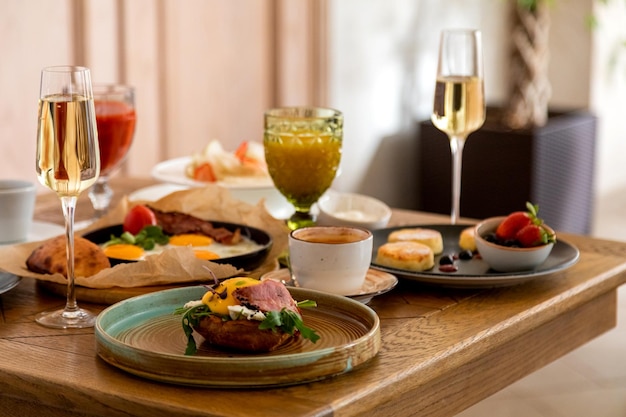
{"x":69,"y":207}
{"x":100,"y":195}
{"x":456,"y":147}
{"x":71,"y":316}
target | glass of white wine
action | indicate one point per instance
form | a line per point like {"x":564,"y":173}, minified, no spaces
{"x":68,"y":162}
{"x":459,"y":105}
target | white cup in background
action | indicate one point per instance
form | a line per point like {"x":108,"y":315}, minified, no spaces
{"x":17,"y":206}
{"x":332,"y":259}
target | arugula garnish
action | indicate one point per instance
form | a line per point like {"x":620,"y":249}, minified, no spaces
{"x":191,"y":317}
{"x":285,"y":320}
{"x":288,"y":321}
{"x":147,"y":238}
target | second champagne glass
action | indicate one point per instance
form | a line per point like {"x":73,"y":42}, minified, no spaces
{"x":302,"y":152}
{"x":115,"y":118}
{"x":459,"y":104}
{"x":67,"y":162}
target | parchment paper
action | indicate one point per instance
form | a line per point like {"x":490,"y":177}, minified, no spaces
{"x":172,"y":266}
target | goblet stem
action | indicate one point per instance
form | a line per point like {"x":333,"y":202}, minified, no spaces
{"x":100,"y":196}
{"x":456,"y":147}
{"x":300,"y":219}
{"x":71,"y":316}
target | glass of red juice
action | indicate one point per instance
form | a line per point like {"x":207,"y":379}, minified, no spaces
{"x":115,"y":118}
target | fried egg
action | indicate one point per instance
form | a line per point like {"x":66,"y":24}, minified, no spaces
{"x":124,"y":251}
{"x":203,"y":246}
{"x":221,"y":297}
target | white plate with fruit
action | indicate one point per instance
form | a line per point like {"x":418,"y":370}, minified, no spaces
{"x":243,"y":168}
{"x":243,"y":172}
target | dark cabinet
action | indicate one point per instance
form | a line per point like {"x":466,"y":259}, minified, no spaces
{"x":552,"y":166}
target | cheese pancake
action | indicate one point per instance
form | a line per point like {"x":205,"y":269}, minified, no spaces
{"x":412,"y":256}
{"x":467,"y":239}
{"x":429,"y":237}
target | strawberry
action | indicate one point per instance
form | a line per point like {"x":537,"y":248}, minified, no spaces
{"x":533,"y":235}
{"x":516,"y":221}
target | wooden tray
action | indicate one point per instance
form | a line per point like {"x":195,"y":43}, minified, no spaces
{"x":113,"y":295}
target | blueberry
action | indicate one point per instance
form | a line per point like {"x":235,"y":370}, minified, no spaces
{"x":446,"y":260}
{"x":491,"y":237}
{"x":466,"y":255}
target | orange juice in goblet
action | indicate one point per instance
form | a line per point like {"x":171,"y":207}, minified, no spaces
{"x":302,"y":152}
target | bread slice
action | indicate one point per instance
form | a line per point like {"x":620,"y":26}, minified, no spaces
{"x":49,"y":257}
{"x":242,"y":335}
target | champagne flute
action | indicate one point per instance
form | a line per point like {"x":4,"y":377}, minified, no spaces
{"x":115,"y":118}
{"x":459,"y":105}
{"x":302,"y":152}
{"x":68,"y":162}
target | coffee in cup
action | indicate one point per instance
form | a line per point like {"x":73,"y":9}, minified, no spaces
{"x":333,"y":259}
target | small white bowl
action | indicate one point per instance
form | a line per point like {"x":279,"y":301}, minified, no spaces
{"x":508,"y":259}
{"x":348,"y":209}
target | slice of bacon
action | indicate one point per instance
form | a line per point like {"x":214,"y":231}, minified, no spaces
{"x":176,"y":223}
{"x":267,"y":296}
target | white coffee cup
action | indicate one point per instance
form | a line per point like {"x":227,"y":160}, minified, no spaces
{"x":17,"y":206}
{"x":332,"y":259}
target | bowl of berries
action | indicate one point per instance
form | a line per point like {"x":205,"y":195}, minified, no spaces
{"x":518,"y":242}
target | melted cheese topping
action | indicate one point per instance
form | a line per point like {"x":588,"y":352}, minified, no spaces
{"x":221,"y":297}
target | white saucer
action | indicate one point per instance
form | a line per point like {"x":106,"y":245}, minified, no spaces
{"x":40,"y":231}
{"x":376,"y":283}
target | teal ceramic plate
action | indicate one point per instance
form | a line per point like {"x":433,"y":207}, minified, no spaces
{"x":141,"y":335}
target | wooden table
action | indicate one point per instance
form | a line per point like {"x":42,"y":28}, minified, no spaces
{"x":443,"y":349}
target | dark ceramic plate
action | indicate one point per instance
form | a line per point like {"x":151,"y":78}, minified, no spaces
{"x":248,"y":261}
{"x":8,"y":281}
{"x":474,"y":273}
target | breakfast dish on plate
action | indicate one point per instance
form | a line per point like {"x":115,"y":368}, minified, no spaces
{"x":243,"y":168}
{"x":412,"y":249}
{"x":458,"y":267}
{"x":176,"y":266}
{"x":147,"y":231}
{"x":216,"y":164}
{"x":246,"y":315}
{"x":142,"y":336}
